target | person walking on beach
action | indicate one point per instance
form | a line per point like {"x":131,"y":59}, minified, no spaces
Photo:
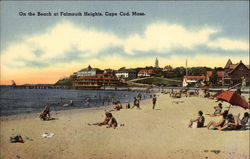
{"x":136,"y":103}
{"x":154,"y":101}
{"x":139,"y":96}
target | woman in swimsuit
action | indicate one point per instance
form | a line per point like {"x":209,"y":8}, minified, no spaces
{"x":200,"y":120}
{"x":220,"y":124}
{"x":233,"y":123}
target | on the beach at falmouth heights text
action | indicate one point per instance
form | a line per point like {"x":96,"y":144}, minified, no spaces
{"x":89,"y":14}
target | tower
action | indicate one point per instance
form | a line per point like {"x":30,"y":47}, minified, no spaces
{"x":156,"y":63}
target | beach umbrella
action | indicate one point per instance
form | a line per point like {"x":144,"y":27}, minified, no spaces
{"x":233,"y":98}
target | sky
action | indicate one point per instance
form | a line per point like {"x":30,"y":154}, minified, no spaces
{"x":42,"y":49}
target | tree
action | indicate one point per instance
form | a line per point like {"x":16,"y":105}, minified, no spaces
{"x":214,"y":77}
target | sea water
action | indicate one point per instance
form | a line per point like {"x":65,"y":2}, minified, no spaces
{"x":15,"y":101}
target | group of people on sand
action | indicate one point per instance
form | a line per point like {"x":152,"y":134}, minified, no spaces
{"x":227,"y":122}
{"x":186,"y":91}
{"x":110,"y":121}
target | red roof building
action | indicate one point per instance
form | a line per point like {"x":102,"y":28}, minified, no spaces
{"x":145,"y":73}
{"x":95,"y":82}
{"x":219,"y":74}
{"x":235,"y":73}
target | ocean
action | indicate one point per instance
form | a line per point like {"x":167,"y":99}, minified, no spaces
{"x":14,"y":101}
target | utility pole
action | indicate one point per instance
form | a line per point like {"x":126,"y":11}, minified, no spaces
{"x":186,"y":68}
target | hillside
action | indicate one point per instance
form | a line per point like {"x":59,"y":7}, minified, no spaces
{"x":158,"y":81}
{"x":65,"y":82}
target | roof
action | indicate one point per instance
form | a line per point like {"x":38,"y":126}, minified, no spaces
{"x":146,"y":71}
{"x":229,"y":62}
{"x":98,"y":76}
{"x":89,"y":68}
{"x":194,"y":77}
{"x":126,"y":71}
{"x":219,"y":73}
{"x":237,"y":65}
{"x":233,"y":66}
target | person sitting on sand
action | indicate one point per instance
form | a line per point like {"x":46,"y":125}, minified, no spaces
{"x":220,"y":124}
{"x":106,"y":120}
{"x":45,"y":115}
{"x":233,"y":123}
{"x":118,"y":106}
{"x":112,"y":123}
{"x":244,"y":120}
{"x":217,"y":111}
{"x":200,"y":120}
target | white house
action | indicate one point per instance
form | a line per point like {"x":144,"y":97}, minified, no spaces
{"x":89,"y":71}
{"x":126,"y":74}
{"x":192,"y":80}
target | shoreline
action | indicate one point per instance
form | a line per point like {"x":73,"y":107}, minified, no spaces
{"x":60,"y":112}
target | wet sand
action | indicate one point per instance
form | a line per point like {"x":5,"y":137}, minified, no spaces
{"x":161,"y":133}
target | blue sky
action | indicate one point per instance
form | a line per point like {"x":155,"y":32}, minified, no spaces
{"x":209,"y":31}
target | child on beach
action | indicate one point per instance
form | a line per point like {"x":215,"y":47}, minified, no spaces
{"x":154,"y":101}
{"x":112,"y":123}
{"x":200,"y":120}
{"x":106,"y":120}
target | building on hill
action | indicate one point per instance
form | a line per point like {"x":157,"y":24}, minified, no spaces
{"x":168,"y":68}
{"x":192,"y":80}
{"x":219,"y":77}
{"x":126,"y":74}
{"x":145,"y":72}
{"x":89,"y":71}
{"x":235,"y":73}
{"x":95,"y":82}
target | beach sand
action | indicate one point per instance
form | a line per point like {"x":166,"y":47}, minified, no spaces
{"x":147,"y":134}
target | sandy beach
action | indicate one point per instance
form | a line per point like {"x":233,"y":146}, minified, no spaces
{"x":148,"y":134}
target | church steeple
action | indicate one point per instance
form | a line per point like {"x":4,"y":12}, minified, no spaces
{"x":156,"y":63}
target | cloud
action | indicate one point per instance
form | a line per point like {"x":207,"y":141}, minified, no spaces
{"x":162,"y":37}
{"x":55,"y":42}
{"x":66,"y":43}
{"x":229,"y":44}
